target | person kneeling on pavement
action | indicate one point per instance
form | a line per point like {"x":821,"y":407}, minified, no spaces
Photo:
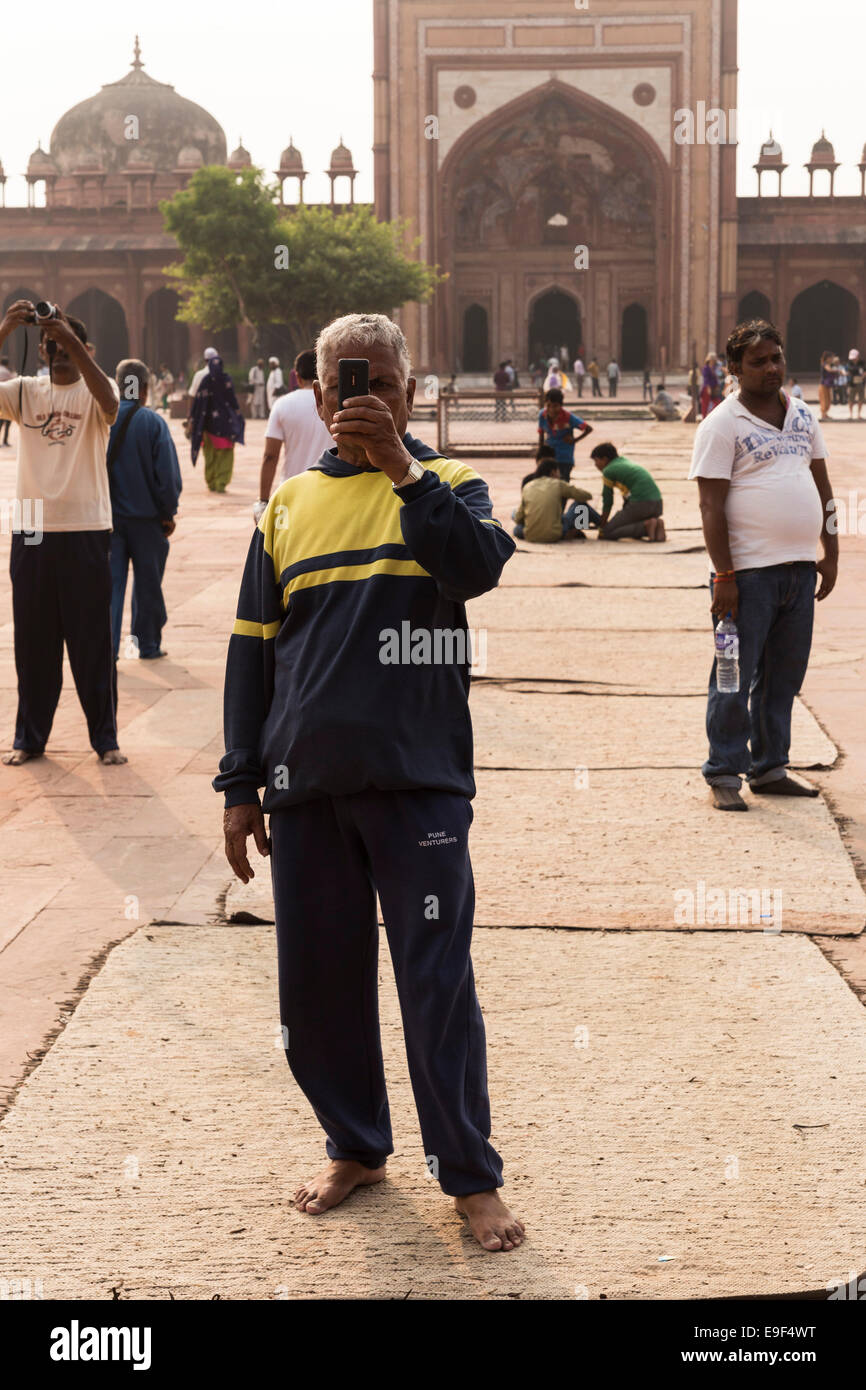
{"x":540,"y":517}
{"x":664,"y":407}
{"x":641,"y":512}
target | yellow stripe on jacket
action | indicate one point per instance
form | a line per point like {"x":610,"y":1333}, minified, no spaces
{"x":315,"y":514}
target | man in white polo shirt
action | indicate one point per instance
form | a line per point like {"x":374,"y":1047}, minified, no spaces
{"x":766,"y":501}
{"x":295,"y":426}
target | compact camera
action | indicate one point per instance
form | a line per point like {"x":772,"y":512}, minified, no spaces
{"x":43,"y":312}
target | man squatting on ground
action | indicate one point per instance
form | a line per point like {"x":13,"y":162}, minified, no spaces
{"x":540,"y":517}
{"x":61,"y":581}
{"x":367,"y":769}
{"x":765,"y":497}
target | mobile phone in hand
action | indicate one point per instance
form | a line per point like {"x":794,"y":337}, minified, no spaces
{"x":353,"y":378}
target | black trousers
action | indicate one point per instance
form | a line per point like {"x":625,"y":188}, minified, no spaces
{"x":61,"y":592}
{"x":329,"y":858}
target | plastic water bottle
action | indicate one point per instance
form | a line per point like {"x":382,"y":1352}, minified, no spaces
{"x":727,"y":657}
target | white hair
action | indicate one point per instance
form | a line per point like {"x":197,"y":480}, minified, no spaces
{"x":362,"y":330}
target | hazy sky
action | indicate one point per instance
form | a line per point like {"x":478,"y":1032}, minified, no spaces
{"x":304,"y":69}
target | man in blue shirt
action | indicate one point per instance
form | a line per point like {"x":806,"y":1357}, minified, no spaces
{"x":145,"y":483}
{"x":557,"y":426}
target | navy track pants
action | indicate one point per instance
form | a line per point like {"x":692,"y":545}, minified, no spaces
{"x":329,"y":857}
{"x":61,"y":592}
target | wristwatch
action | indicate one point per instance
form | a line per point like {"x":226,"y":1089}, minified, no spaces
{"x":413,"y":474}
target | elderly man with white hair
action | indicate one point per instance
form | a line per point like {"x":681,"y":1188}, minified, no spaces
{"x":346,"y":698}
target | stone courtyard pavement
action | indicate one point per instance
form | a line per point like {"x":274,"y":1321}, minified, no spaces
{"x":676,"y":1092}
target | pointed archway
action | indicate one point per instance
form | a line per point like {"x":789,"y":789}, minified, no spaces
{"x":634,"y":353}
{"x":824,"y":317}
{"x":166,"y":338}
{"x":476,"y":339}
{"x":104,"y":318}
{"x":522,"y":189}
{"x":554,"y":323}
{"x":753,"y":305}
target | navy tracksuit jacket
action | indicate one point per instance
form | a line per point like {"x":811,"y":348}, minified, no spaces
{"x":365,"y":757}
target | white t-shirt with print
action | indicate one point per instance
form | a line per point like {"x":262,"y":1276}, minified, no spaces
{"x":296,"y":423}
{"x":61,"y":457}
{"x":773,"y":507}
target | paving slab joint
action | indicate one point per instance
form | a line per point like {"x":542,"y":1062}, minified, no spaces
{"x":66,"y":1008}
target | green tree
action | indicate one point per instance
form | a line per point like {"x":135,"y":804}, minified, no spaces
{"x":227,"y":226}
{"x":345,"y":263}
{"x":247,"y":260}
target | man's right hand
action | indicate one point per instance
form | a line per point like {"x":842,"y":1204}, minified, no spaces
{"x":22,"y":311}
{"x":239,"y":822}
{"x":726,"y":599}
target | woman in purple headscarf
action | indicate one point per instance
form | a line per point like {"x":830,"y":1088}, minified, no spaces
{"x":216,"y":426}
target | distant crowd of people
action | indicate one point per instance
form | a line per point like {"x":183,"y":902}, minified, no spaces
{"x":842,"y":383}
{"x":552,"y":374}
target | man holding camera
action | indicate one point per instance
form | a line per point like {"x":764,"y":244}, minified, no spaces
{"x":61,"y":582}
{"x":366,"y":761}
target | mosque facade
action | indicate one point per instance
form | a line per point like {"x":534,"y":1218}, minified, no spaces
{"x":571,"y":167}
{"x":571,"y":171}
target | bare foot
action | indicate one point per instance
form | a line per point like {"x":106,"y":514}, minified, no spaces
{"x":330,"y":1187}
{"x":651,"y":526}
{"x":18,"y":756}
{"x":113,"y":756}
{"x":661,"y":534}
{"x":492,"y":1224}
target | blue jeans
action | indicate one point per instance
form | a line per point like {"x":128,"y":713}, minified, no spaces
{"x":750,"y":730}
{"x":142,"y":541}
